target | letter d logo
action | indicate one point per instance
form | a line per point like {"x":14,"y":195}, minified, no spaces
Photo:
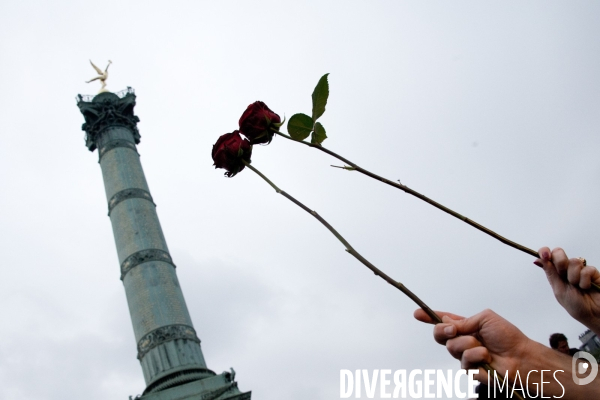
{"x":582,"y":367}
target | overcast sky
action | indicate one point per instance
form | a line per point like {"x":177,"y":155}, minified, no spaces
{"x":491,"y":108}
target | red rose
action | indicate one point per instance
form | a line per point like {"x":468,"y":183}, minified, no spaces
{"x":259,"y":123}
{"x":230,"y":152}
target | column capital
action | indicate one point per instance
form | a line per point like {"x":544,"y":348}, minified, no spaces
{"x":107,"y":109}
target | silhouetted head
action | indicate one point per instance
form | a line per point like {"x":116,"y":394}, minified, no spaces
{"x":559,"y":342}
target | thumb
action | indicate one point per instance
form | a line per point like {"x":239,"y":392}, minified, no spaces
{"x":422,"y":316}
{"x":471,"y":325}
{"x":555,"y":280}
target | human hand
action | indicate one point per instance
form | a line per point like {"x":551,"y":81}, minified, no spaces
{"x":483,"y":338}
{"x":570,"y":281}
{"x":488,"y":338}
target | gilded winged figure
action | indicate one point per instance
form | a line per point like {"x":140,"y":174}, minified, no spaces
{"x":102,"y":75}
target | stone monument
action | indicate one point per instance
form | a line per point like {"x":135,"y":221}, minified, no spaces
{"x":168,"y":347}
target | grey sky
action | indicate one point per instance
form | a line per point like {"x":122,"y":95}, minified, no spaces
{"x":491,"y":108}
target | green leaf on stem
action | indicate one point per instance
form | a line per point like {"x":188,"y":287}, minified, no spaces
{"x":319,"y":97}
{"x":300,"y":126}
{"x":319,"y":134}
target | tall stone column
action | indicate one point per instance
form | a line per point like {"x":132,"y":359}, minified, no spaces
{"x":168,"y":347}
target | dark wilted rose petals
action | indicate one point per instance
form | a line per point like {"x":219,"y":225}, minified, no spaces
{"x":259,"y":123}
{"x":230,"y":152}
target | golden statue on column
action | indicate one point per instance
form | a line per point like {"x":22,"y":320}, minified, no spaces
{"x":102,"y":76}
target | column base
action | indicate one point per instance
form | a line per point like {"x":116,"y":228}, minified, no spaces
{"x":218,"y":387}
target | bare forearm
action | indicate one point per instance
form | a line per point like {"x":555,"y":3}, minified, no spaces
{"x":551,"y":373}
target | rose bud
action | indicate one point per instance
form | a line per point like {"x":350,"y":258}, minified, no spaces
{"x":230,"y":152}
{"x":259,"y":123}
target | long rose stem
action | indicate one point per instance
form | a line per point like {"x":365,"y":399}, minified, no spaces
{"x":351,"y":250}
{"x":354,"y":167}
{"x":398,"y":285}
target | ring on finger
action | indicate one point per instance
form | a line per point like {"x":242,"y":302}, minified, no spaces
{"x":584,"y":262}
